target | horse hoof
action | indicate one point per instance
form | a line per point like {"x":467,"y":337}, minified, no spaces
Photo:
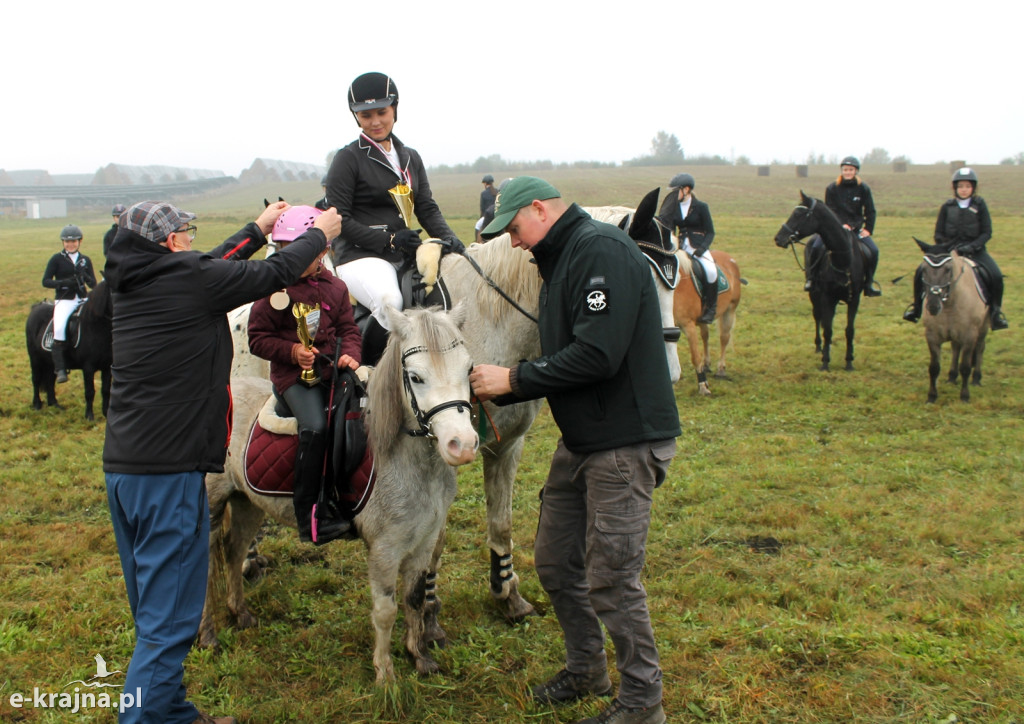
{"x":721,"y":375}
{"x":245,"y":620}
{"x":425,"y":666}
{"x":849,"y":368}
{"x":516,"y":609}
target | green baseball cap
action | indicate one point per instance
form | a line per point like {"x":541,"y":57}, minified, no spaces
{"x":519,"y":192}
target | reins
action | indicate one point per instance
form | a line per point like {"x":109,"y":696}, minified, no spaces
{"x":504,"y":295}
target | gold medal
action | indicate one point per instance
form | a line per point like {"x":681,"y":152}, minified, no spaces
{"x":280,"y":300}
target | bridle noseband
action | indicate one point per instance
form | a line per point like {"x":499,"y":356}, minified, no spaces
{"x":794,"y":234}
{"x":423,"y":419}
{"x":942,"y":291}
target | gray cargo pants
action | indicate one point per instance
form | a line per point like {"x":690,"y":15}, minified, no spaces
{"x":590,"y":547}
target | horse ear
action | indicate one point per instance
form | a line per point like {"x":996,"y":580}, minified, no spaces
{"x":265,"y":202}
{"x":805,"y":200}
{"x":459,"y":313}
{"x":399,"y":322}
{"x":644,"y":213}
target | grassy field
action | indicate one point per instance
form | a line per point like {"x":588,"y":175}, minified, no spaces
{"x":894,"y":594}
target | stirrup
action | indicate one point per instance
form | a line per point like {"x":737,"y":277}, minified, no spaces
{"x":909,"y":315}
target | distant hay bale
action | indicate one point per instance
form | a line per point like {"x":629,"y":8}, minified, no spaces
{"x":954,"y":165}
{"x":899,"y":166}
{"x":764,"y":170}
{"x":801,"y":171}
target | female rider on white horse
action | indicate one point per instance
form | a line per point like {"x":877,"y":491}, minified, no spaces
{"x":690,"y":220}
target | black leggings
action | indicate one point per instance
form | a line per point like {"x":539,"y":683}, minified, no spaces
{"x":307,"y":405}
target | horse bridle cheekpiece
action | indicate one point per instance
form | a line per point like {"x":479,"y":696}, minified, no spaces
{"x":942,"y":290}
{"x":794,"y":234}
{"x":423,"y":418}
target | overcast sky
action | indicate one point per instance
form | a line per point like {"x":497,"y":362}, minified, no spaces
{"x":216,"y":84}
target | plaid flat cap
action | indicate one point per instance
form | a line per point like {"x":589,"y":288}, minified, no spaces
{"x":155,"y":220}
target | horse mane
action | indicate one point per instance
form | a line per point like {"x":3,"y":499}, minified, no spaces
{"x":511,"y":269}
{"x":386,"y":405}
{"x":610,"y":214}
{"x":99,"y":304}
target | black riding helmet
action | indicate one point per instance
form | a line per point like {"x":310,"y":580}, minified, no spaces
{"x":851,"y":161}
{"x":965,"y":174}
{"x":682,"y":179}
{"x":118,"y":210}
{"x":70,"y":233}
{"x":372,"y":90}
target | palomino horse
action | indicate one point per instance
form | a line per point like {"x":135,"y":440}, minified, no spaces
{"x":954,"y":312}
{"x":503,"y":287}
{"x":837,"y":274}
{"x":687,"y":309}
{"x":92,"y":353}
{"x":419,"y":425}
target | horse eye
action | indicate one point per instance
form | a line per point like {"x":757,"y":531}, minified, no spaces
{"x":415,"y":378}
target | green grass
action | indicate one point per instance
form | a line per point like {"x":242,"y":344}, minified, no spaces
{"x":896,"y":594}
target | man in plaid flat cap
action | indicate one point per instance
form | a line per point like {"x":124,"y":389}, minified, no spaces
{"x":170,"y":417}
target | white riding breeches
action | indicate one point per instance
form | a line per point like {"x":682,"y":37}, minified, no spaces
{"x":62,"y":310}
{"x":706,"y":260}
{"x":373,"y":281}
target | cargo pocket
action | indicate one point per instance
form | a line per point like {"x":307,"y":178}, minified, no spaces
{"x":662,"y":453}
{"x":621,"y":539}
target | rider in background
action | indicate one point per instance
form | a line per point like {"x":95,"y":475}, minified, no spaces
{"x":68,"y":273}
{"x":369,"y":251}
{"x":850,"y":200}
{"x":108,"y":238}
{"x":487,"y":197}
{"x":965,"y":225}
{"x":273,"y":336}
{"x":690,"y":219}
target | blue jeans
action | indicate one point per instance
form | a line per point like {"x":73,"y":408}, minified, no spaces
{"x":162,"y":527}
{"x":589,"y":553}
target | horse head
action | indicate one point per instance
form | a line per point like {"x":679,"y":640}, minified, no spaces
{"x":940,"y":273}
{"x":800,"y":224}
{"x":421,"y":388}
{"x":100,"y":304}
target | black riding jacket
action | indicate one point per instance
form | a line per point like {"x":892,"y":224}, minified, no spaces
{"x":852,"y":202}
{"x":170,"y":399}
{"x":966,"y":230}
{"x":68,"y":278}
{"x":357,"y":186}
{"x":697,"y":225}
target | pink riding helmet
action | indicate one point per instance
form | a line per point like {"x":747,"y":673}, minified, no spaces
{"x":294,"y":222}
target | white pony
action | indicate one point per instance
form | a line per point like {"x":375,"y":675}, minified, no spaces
{"x":420,"y":425}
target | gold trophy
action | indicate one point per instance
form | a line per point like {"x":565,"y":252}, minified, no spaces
{"x":308,"y":318}
{"x":402,"y":196}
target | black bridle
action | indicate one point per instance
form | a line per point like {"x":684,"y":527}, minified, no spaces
{"x":423,"y":418}
{"x":942,"y":291}
{"x":794,"y":234}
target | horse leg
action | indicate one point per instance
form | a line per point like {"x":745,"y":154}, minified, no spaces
{"x":934,"y":367}
{"x":433,"y":634}
{"x":966,"y":360}
{"x":704,"y":336}
{"x":696,"y":355}
{"x":37,"y":382}
{"x":979,"y":352}
{"x":90,"y":391}
{"x":499,"y":476}
{"x":244,"y":520}
{"x":827,"y":317}
{"x":724,"y":336}
{"x":415,"y":573}
{"x":954,"y":365}
{"x":851,"y":316}
{"x":216,"y":571}
{"x":383,"y":579}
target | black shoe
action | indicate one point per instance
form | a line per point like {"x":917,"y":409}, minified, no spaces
{"x":619,"y":714}
{"x":566,"y":686}
{"x":62,"y":375}
{"x":870,"y":291}
{"x":999,"y":321}
{"x":910,"y":315}
{"x":808,"y":286}
{"x":324,"y":531}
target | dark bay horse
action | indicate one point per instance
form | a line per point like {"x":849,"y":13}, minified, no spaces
{"x":837,"y":274}
{"x":954,"y":312}
{"x":93,"y":352}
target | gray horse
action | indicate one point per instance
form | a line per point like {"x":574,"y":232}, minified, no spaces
{"x":419,"y":423}
{"x":954,"y":312}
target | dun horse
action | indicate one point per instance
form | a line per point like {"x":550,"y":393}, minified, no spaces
{"x":954,"y":312}
{"x":837,"y":275}
{"x":92,"y":353}
{"x":419,"y":425}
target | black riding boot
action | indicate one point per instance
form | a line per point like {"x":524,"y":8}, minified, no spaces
{"x":708,"y":299}
{"x":309,"y":467}
{"x":998,"y":318}
{"x":869,"y":281}
{"x":59,"y":367}
{"x":375,"y":339}
{"x":913,"y":313}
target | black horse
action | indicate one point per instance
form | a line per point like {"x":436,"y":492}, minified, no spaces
{"x":837,"y":271}
{"x":92,"y":353}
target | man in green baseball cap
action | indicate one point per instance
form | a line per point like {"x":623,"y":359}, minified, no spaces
{"x":604,"y":372}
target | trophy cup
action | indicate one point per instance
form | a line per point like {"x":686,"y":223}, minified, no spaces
{"x":308,"y":318}
{"x":401,"y":194}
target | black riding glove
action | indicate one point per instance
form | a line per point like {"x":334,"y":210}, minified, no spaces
{"x":699,"y":250}
{"x":407,"y":241}
{"x":453,"y":245}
